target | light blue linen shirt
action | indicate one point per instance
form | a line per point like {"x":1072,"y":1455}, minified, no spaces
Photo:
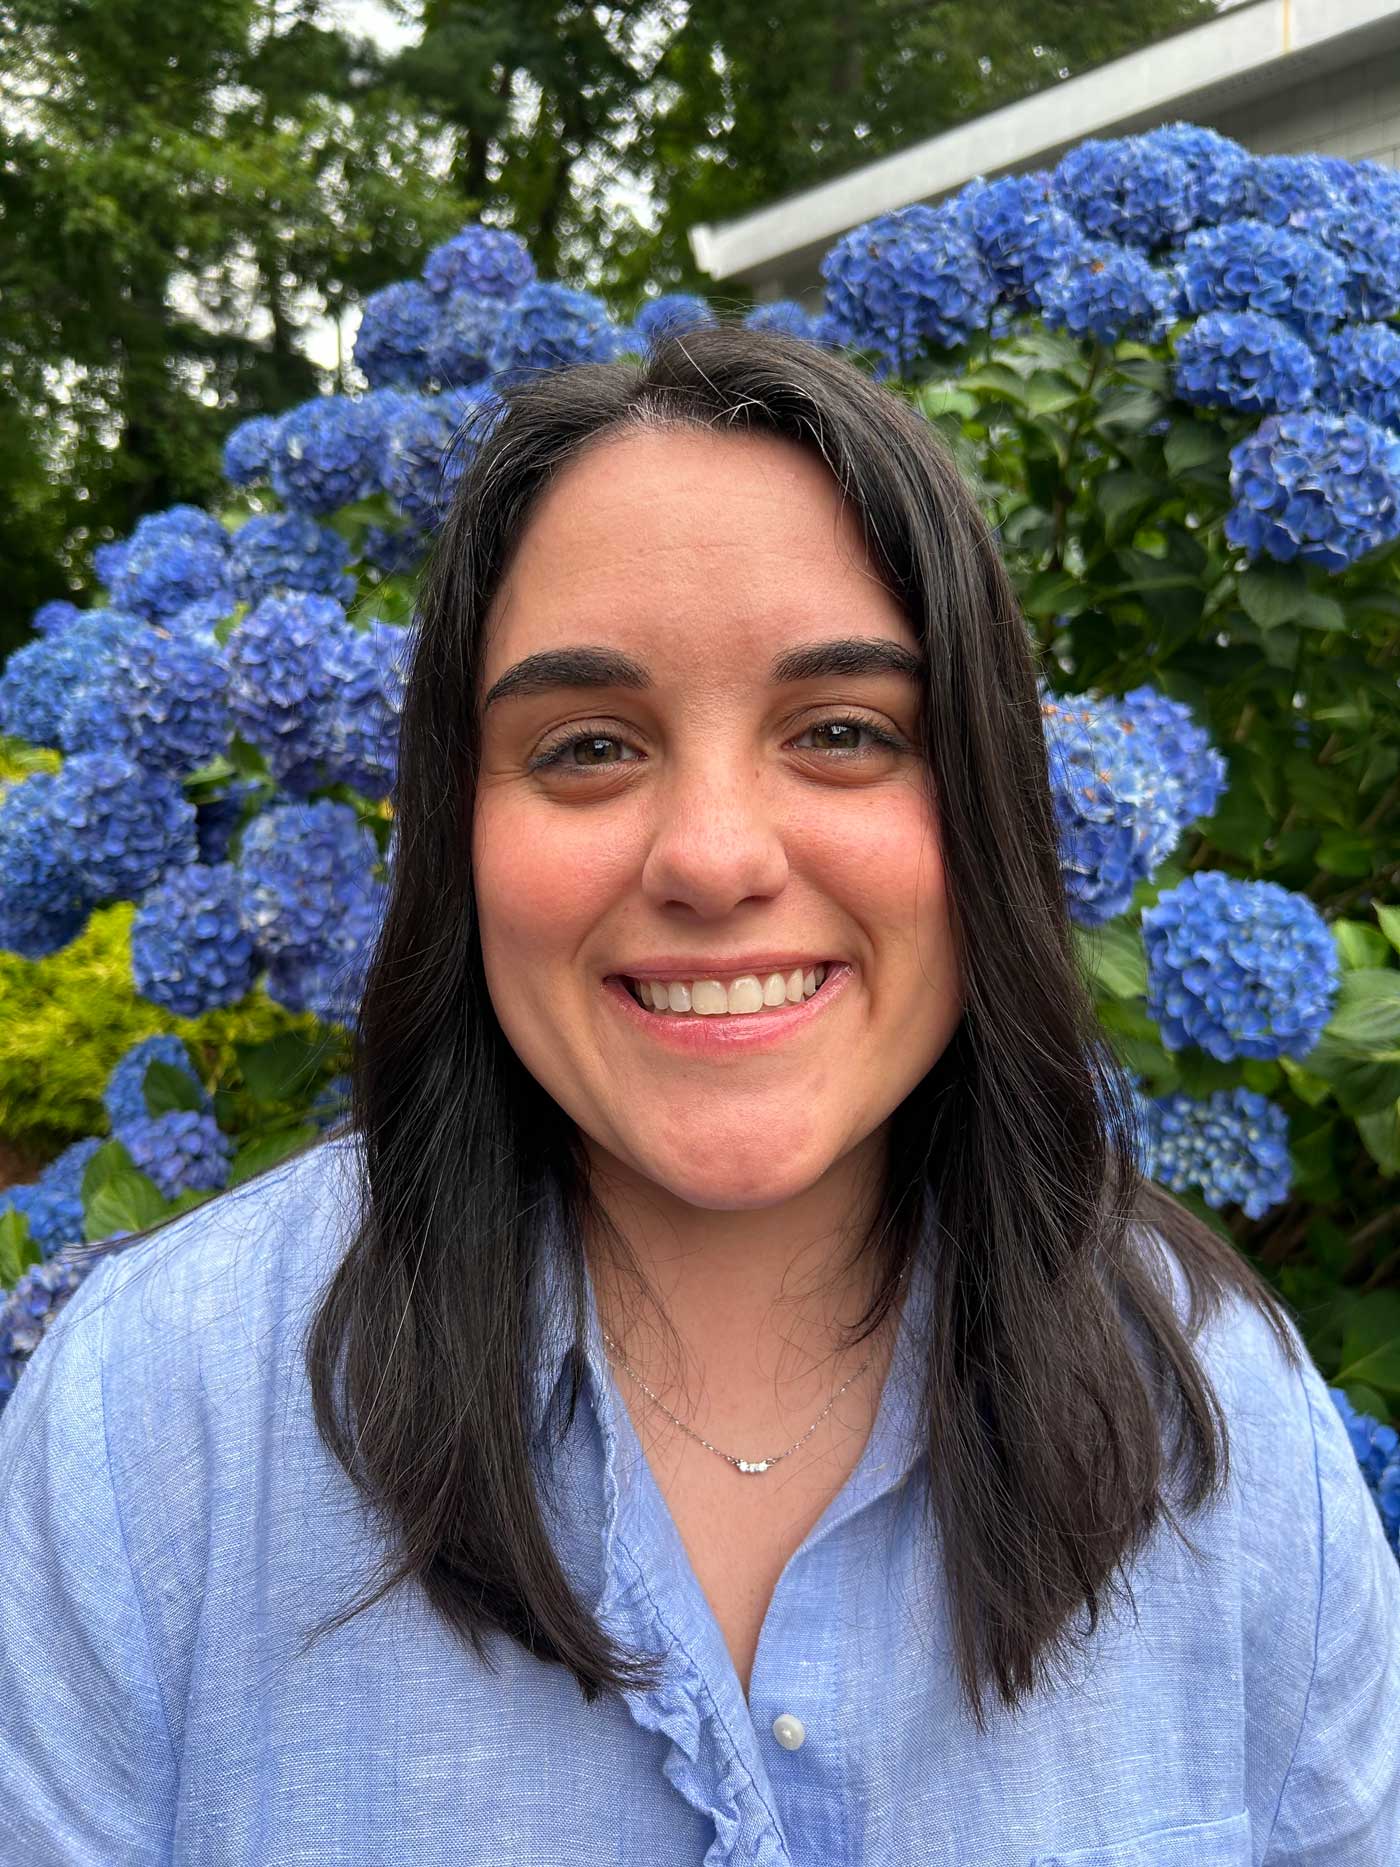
{"x":173,"y":1527}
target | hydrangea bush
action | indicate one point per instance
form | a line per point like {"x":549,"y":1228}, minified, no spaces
{"x":1171,"y":367}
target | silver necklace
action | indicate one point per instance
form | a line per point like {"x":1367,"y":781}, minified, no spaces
{"x":752,"y":1466}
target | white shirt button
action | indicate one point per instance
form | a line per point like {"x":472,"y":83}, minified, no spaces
{"x":788,"y":1731}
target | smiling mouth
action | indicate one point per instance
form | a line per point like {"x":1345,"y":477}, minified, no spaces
{"x":748,"y":996}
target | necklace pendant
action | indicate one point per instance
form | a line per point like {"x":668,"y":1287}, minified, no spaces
{"x":753,"y":1465}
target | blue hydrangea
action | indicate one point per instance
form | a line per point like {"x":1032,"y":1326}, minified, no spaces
{"x":217,"y":818}
{"x":1322,"y":488}
{"x":248,"y":450}
{"x":1247,"y":265}
{"x":329,"y":979}
{"x":1361,"y":372}
{"x":173,"y":558}
{"x":397,"y":328}
{"x":1238,"y":968}
{"x":903,"y":282}
{"x":289,"y":551}
{"x":1107,"y":292}
{"x":125,"y":825}
{"x":180,"y":1151}
{"x":28,"y":1309}
{"x":361,"y":730}
{"x":124,"y":1098}
{"x":325,"y":455}
{"x":784,"y":315}
{"x":672,"y":312}
{"x":279,"y":674}
{"x":1117,"y":808}
{"x":1213,"y":164}
{"x":107,"y":561}
{"x":189,"y":951}
{"x":1231,"y":1148}
{"x":398,"y":551}
{"x":1377,"y":1449}
{"x":1022,"y":233}
{"x":53,"y":1206}
{"x":1196,"y":773}
{"x":551,"y":326}
{"x":301,"y":867}
{"x":199,"y":621}
{"x":419,"y":466}
{"x":1284,"y":190}
{"x":466,"y":329}
{"x":54,"y":615}
{"x":43,"y":902}
{"x":1245,"y":361}
{"x":39,"y":680}
{"x":1126,"y":189}
{"x":161,"y":700}
{"x":490,"y":261}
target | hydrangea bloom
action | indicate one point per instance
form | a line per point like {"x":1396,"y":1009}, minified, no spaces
{"x":1321,"y":488}
{"x":1232,"y":1148}
{"x":54,"y":615}
{"x":1022,"y":233}
{"x":1368,"y":245}
{"x":199,"y":622}
{"x":329,"y":979}
{"x":279,"y":676}
{"x":785,"y":315}
{"x":161,"y":700}
{"x":1284,"y":190}
{"x":53,"y":1206}
{"x":1195,"y":772}
{"x":550,"y":327}
{"x":217,"y":818}
{"x":124,"y":1098}
{"x":180,"y":1151}
{"x":39,"y":680}
{"x":124,"y":824}
{"x":419,"y":466}
{"x":248,"y":450}
{"x":1360,"y":372}
{"x":1107,"y":292}
{"x":903,"y":282}
{"x":289,"y":551}
{"x":1245,"y":361}
{"x":490,"y":261}
{"x":397,"y":328}
{"x":361,"y":730}
{"x":301,"y":867}
{"x":672,"y":312}
{"x":398,"y":551}
{"x":1115,"y":805}
{"x":1213,"y":164}
{"x":1240,"y":969}
{"x":172,"y":559}
{"x":1377,"y":1449}
{"x":43,"y":901}
{"x":1126,"y":189}
{"x":27,"y":1310}
{"x":107,"y":561}
{"x":189,"y":950}
{"x":324,"y":456}
{"x":1247,"y":265}
{"x":466,"y":329}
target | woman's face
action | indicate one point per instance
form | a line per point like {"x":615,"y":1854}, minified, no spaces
{"x":714,"y":819}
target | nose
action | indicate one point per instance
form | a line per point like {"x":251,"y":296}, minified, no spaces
{"x":714,"y":839}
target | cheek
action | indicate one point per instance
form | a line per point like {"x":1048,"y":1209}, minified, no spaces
{"x":541,"y":879}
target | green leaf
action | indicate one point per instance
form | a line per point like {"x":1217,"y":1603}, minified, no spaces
{"x":17,"y":1249}
{"x":1389,"y":919}
{"x":1371,"y":1343}
{"x":1360,"y":946}
{"x":996,"y":379}
{"x":1192,"y":445}
{"x":168,"y":1088}
{"x":945,"y":399}
{"x":1055,"y":593}
{"x":1202,"y":1075}
{"x":127,"y":1202}
{"x":1304,"y":1084}
{"x":1381,"y":1135}
{"x":1345,"y":852}
{"x":262,"y":1151}
{"x":108,"y":1162}
{"x":1114,"y":959}
{"x":1272,"y":595}
{"x":1366,"y":1019}
{"x":281,"y":1069}
{"x":1123,"y":499}
{"x":1128,"y":412}
{"x":1323,"y":613}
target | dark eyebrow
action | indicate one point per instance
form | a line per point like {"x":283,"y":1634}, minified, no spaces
{"x":606,"y":667}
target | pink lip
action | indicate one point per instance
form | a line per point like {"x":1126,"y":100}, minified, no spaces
{"x":705,"y":1036}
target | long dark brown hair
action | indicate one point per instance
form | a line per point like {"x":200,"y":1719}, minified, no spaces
{"x":1044,"y":1427}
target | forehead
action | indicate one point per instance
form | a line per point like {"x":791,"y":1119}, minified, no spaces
{"x":663,"y":540}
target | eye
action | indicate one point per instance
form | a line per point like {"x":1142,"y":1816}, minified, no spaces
{"x":590,"y":745}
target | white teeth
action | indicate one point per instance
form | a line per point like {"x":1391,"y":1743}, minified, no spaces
{"x":710,"y":998}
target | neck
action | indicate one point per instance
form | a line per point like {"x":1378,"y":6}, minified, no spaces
{"x":759,"y":1302}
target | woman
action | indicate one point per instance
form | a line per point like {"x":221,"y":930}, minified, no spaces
{"x":709,"y":1402}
